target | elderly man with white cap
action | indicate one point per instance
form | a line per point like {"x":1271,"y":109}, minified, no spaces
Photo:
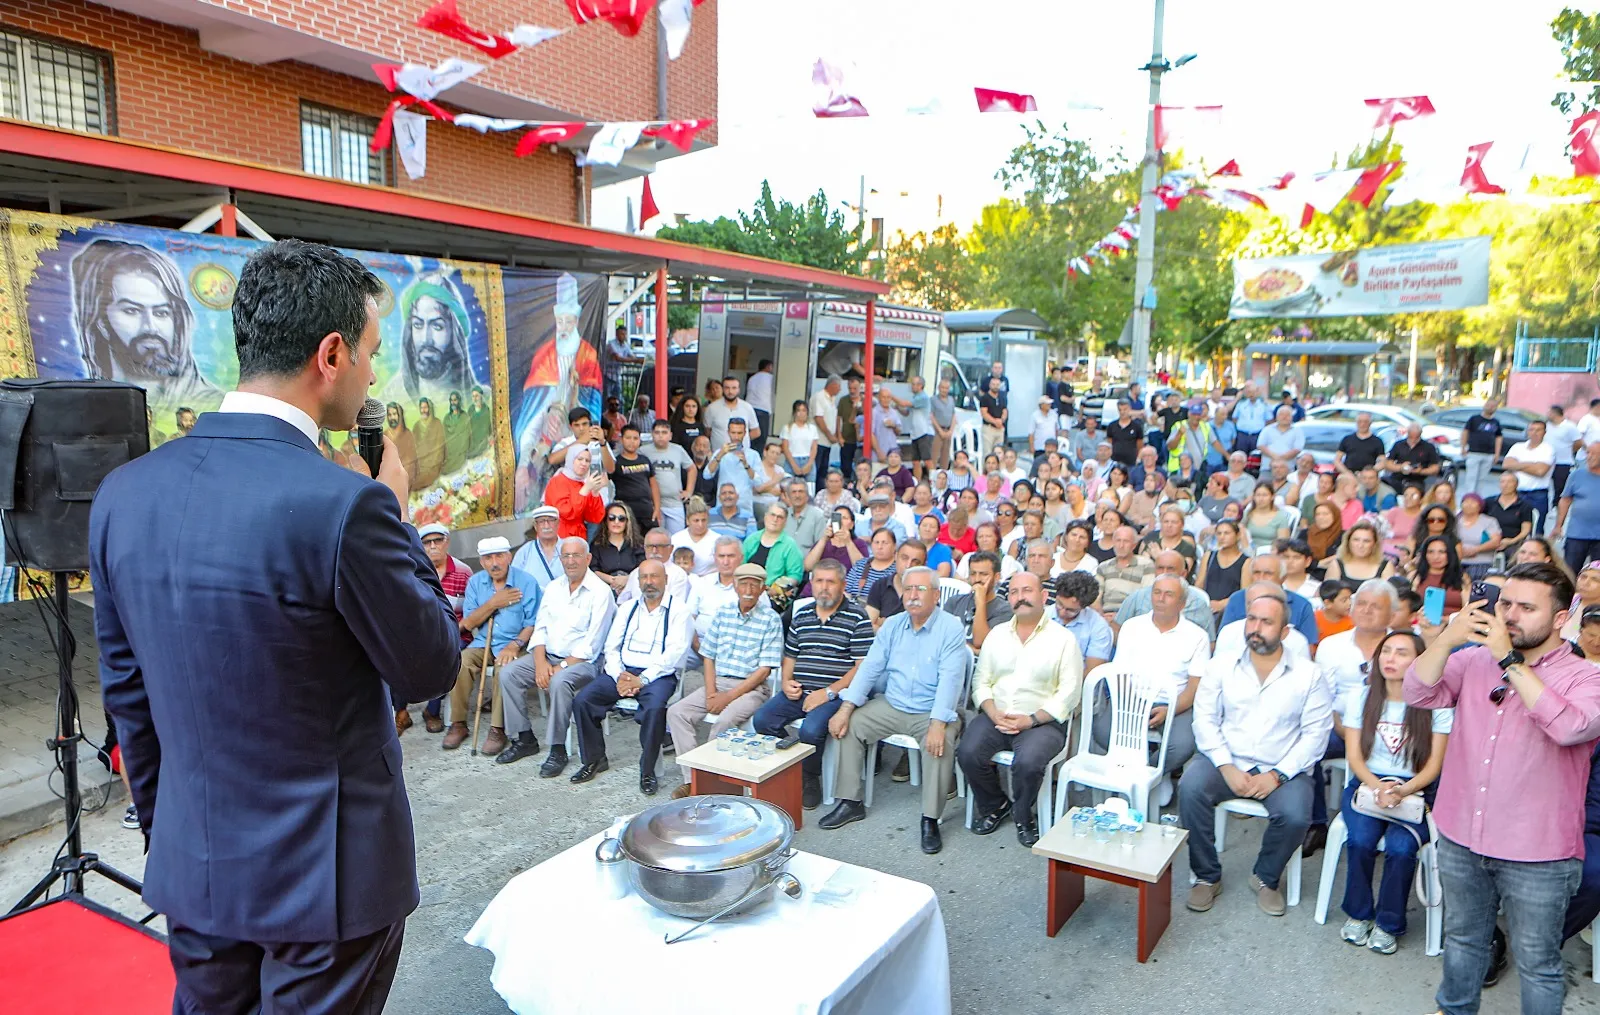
{"x":540,"y":556}
{"x":511,"y":598}
{"x":453,"y":577}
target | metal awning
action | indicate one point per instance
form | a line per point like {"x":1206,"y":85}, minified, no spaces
{"x":988,"y":320}
{"x":94,"y":176}
{"x":1326,"y":350}
{"x":886,"y":312}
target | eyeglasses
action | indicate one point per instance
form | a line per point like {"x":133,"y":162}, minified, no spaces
{"x":1499,"y":693}
{"x":616,"y":518}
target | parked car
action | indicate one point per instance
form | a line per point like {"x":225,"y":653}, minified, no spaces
{"x":1513,"y":422}
{"x":1445,"y":437}
{"x":1323,"y":437}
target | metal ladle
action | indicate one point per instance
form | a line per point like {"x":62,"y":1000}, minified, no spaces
{"x":789,"y":883}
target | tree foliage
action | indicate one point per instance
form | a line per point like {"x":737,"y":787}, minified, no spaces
{"x":811,"y":233}
{"x":1579,"y":35}
{"x":930,"y":270}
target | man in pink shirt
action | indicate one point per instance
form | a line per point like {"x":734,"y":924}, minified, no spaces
{"x":1510,"y":808}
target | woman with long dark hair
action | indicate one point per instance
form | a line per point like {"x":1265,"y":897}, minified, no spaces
{"x":618,"y":547}
{"x":1438,"y":566}
{"x":686,"y":423}
{"x":1394,"y":750}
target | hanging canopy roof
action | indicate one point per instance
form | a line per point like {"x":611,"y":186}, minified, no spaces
{"x":1326,"y":350}
{"x":988,"y":320}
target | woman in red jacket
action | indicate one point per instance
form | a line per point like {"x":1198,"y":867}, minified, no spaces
{"x":575,"y":493}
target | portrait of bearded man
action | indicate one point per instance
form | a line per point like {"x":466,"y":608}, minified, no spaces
{"x":135,"y":325}
{"x":433,"y":342}
{"x":564,"y":374}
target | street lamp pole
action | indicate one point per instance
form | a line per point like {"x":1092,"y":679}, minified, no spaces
{"x":1144,"y":269}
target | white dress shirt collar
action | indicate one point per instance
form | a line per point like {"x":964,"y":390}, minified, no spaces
{"x":266,"y":405}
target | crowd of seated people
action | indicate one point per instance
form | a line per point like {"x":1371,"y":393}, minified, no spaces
{"x":966,"y":602}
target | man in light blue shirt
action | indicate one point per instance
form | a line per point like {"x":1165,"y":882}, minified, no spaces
{"x":1251,"y":414}
{"x":734,"y":463}
{"x":918,"y":669}
{"x":1076,"y":592}
{"x":510,"y":599}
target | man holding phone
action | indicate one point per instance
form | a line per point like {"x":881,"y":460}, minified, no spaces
{"x":1510,"y":808}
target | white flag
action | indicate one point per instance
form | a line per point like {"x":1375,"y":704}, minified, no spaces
{"x":427,"y":82}
{"x":532,"y":35}
{"x":612,"y":142}
{"x":411,"y":140}
{"x":675,"y":16}
{"x":484,"y":124}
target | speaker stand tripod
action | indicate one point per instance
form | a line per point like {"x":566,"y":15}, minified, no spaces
{"x":71,"y":867}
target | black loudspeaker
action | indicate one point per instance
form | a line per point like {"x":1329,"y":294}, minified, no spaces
{"x":58,"y":440}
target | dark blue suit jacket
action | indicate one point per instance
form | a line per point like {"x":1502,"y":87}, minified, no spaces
{"x":251,"y":601}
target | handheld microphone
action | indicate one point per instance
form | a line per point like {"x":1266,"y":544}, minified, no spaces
{"x":369,"y":434}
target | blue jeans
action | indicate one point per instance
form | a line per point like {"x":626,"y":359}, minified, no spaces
{"x":771,"y":718}
{"x":1585,"y":904}
{"x":1539,"y":500}
{"x":1399,"y":864}
{"x":1534,"y":895}
{"x":1202,"y":788}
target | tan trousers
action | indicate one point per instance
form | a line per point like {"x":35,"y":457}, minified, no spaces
{"x":686,"y":717}
{"x":878,"y":719}
{"x":941,"y":452}
{"x":989,"y":438}
{"x":462,"y":698}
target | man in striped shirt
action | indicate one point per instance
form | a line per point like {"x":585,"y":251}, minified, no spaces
{"x":826,"y":642}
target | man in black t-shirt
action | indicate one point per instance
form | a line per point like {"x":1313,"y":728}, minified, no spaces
{"x":1360,"y":449}
{"x":1483,"y":442}
{"x":1411,"y":462}
{"x":1126,"y":434}
{"x":992,"y":409}
{"x":1511,"y":511}
{"x":635,"y":481}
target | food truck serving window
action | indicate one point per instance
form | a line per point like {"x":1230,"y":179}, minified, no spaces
{"x":843,"y":357}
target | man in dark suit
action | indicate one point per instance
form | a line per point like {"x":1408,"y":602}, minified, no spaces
{"x":253,"y":600}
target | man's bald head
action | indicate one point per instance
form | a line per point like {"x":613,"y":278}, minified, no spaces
{"x":1267,"y":567}
{"x":1170,"y":562}
{"x":652,"y":580}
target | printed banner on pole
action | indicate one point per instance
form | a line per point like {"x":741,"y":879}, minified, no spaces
{"x":1401,"y":279}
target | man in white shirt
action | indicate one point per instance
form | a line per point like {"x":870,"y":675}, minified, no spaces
{"x":1589,"y":425}
{"x":1026,"y":687}
{"x":710,"y":593}
{"x":825,"y":414}
{"x":1172,"y":651}
{"x":1281,"y":442}
{"x":1042,"y":426}
{"x":1533,"y":460}
{"x":1261,"y":721}
{"x":574,"y":612}
{"x":731,"y":406}
{"x":760,"y":397}
{"x":644,"y":649}
{"x":1011,"y":468}
{"x":1562,"y":433}
{"x":657,"y":547}
{"x":541,"y":555}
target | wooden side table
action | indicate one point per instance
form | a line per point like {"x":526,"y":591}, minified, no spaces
{"x":775,"y":779}
{"x":1147,"y":867}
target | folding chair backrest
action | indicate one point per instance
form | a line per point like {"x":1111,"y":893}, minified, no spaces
{"x":949,"y":588}
{"x":1132,"y":697}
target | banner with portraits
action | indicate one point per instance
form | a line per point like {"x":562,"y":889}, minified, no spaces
{"x":478,"y":365}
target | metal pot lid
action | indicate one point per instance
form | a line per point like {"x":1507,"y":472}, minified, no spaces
{"x":700,"y":834}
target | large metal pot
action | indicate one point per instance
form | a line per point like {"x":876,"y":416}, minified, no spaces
{"x":698,"y":856}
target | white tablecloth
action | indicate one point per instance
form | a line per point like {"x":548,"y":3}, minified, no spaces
{"x":869,"y":943}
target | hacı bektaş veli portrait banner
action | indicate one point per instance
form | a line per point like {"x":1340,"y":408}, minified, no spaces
{"x":1405,"y":278}
{"x":478,"y":364}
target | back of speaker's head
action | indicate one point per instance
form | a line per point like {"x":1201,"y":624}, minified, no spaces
{"x":371,"y":416}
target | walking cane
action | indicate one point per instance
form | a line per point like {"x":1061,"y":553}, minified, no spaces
{"x":483,"y":678}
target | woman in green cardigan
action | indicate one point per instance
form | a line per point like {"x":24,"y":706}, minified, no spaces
{"x":773,"y":548}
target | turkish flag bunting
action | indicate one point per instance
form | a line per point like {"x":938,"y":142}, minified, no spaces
{"x":443,"y":18}
{"x":992,"y":101}
{"x":547,"y":133}
{"x":1367,"y":187}
{"x":385,"y":130}
{"x":1472,"y":175}
{"x":1229,"y":168}
{"x":626,"y":16}
{"x":647,"y":204}
{"x":679,"y":133}
{"x":1392,"y":111}
{"x":1585,"y":153}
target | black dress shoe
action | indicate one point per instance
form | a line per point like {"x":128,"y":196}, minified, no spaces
{"x":590,"y":770}
{"x":648,"y":784}
{"x":846,"y":812}
{"x":989,"y":822}
{"x":554,"y":762}
{"x":931,"y":842}
{"x":1027,"y":832}
{"x":525,"y":746}
{"x":810,"y":792}
{"x":1316,"y":838}
{"x":1497,"y":959}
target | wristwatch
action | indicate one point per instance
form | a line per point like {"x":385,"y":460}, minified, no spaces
{"x":833,"y":695}
{"x":1512,"y":658}
{"x":1278,"y":776}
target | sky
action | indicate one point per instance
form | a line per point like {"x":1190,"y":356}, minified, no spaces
{"x":1291,"y":78}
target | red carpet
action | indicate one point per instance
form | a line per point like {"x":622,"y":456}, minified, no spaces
{"x":65,"y":958}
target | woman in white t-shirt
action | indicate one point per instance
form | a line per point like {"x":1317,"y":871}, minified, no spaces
{"x":698,"y":536}
{"x":1395,"y":750}
{"x":799,"y":440}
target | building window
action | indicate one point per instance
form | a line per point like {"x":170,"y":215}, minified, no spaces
{"x":55,"y":84}
{"x":337,"y":144}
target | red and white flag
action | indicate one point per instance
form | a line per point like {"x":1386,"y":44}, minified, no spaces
{"x":411,"y":141}
{"x":1581,"y":143}
{"x":385,"y":129}
{"x":647,"y":204}
{"x":1229,"y":168}
{"x":524,"y":36}
{"x":443,"y":18}
{"x":626,"y":16}
{"x":676,"y":17}
{"x":611,"y":142}
{"x":423,"y":81}
{"x":547,"y":133}
{"x":829,"y":96}
{"x":1392,"y":111}
{"x":678,"y":133}
{"x":993,"y":101}
{"x":1371,"y":179}
{"x":484,"y":124}
{"x":1185,"y":123}
{"x":1472,"y":175}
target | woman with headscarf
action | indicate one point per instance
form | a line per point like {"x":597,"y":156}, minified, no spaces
{"x":1324,"y":531}
{"x":575,"y":494}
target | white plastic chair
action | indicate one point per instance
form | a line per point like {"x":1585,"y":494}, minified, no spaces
{"x":949,"y":588}
{"x":1125,"y":768}
{"x":1257,"y":809}
{"x":1594,"y":950}
{"x":1042,"y":811}
{"x":1427,"y":863}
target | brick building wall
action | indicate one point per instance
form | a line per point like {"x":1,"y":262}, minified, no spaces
{"x":170,"y":91}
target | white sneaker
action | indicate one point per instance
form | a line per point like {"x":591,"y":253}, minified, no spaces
{"x":1164,"y":792}
{"x":1357,"y":932}
{"x":1382,"y":942}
